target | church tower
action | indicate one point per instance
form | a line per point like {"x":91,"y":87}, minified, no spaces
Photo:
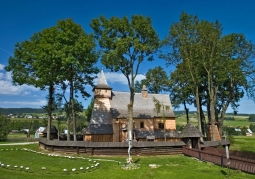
{"x":102,"y":89}
{"x":100,"y":127}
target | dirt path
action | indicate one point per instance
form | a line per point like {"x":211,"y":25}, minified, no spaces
{"x":21,"y":143}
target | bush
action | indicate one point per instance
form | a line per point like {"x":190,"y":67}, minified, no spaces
{"x":4,"y":127}
{"x":231,"y":139}
{"x":252,"y":118}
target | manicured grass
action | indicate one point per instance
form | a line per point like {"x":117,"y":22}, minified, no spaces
{"x":177,"y":166}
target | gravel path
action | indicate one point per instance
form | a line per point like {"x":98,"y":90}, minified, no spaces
{"x":21,"y":143}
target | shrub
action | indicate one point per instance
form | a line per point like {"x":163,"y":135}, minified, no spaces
{"x":4,"y":127}
{"x":252,"y":118}
{"x":231,"y":139}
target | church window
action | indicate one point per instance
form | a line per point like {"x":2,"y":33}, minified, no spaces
{"x":161,"y":125}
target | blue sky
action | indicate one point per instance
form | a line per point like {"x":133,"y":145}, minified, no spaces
{"x":20,"y":19}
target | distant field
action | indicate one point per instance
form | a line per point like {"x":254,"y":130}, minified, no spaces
{"x":243,"y":143}
{"x":239,"y":120}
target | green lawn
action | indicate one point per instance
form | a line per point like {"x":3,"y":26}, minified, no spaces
{"x":177,"y":166}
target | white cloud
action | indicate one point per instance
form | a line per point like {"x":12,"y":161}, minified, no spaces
{"x":38,"y":102}
{"x":8,"y":76}
{"x":1,"y":66}
{"x":1,"y":76}
{"x":6,"y":86}
{"x":26,"y":93}
{"x":120,"y":78}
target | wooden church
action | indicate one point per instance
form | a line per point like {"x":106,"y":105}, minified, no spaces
{"x":108,"y":121}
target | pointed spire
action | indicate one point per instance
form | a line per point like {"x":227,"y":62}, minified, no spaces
{"x":102,"y":83}
{"x":144,"y":88}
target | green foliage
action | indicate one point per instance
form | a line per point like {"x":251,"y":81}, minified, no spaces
{"x":156,"y":81}
{"x":252,"y":127}
{"x":89,"y":110}
{"x":212,"y":67}
{"x":231,"y":139}
{"x":4,"y":127}
{"x":252,"y":118}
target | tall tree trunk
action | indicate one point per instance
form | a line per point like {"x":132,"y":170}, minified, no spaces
{"x":68,"y":122}
{"x":198,"y":111}
{"x":202,"y":117}
{"x":186,"y":111}
{"x":130,"y":122}
{"x":73,"y":110}
{"x":225,"y":107}
{"x":49,"y":109}
{"x":212,"y":94}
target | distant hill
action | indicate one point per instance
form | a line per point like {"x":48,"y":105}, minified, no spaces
{"x":6,"y":111}
{"x":193,"y":112}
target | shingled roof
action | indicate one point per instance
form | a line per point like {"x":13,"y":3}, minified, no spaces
{"x":98,"y":129}
{"x":102,"y":83}
{"x":143,"y":107}
{"x":190,"y":131}
{"x":157,"y":134}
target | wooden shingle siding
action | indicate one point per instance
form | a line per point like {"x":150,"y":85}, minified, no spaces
{"x":98,"y":138}
{"x":216,"y":132}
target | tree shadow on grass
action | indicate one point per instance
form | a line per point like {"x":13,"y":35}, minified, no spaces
{"x":136,"y":161}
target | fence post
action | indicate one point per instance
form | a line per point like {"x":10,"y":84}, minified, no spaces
{"x":199,"y":155}
{"x":221,"y":160}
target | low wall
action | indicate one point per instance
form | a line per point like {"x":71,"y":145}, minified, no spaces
{"x":112,"y":148}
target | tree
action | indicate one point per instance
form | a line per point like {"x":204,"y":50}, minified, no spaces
{"x":4,"y":127}
{"x":61,"y":53}
{"x":212,"y":61}
{"x":36,"y":62}
{"x":77,"y":51}
{"x":182,"y":40}
{"x":89,"y":110}
{"x":180,"y":90}
{"x":125,"y":45}
{"x":160,"y":108}
{"x":156,"y":81}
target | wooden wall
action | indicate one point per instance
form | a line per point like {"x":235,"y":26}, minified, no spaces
{"x":216,"y":132}
{"x":149,"y":124}
{"x":162,"y":140}
{"x":98,"y":138}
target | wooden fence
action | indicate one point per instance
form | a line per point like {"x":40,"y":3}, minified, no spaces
{"x":111,"y":148}
{"x":217,"y":156}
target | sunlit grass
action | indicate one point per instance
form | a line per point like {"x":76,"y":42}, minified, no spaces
{"x":176,"y":166}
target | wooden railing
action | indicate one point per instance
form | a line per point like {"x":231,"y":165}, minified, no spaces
{"x":219,"y":158}
{"x":111,"y":148}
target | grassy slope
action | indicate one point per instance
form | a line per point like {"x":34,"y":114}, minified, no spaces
{"x":177,"y":166}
